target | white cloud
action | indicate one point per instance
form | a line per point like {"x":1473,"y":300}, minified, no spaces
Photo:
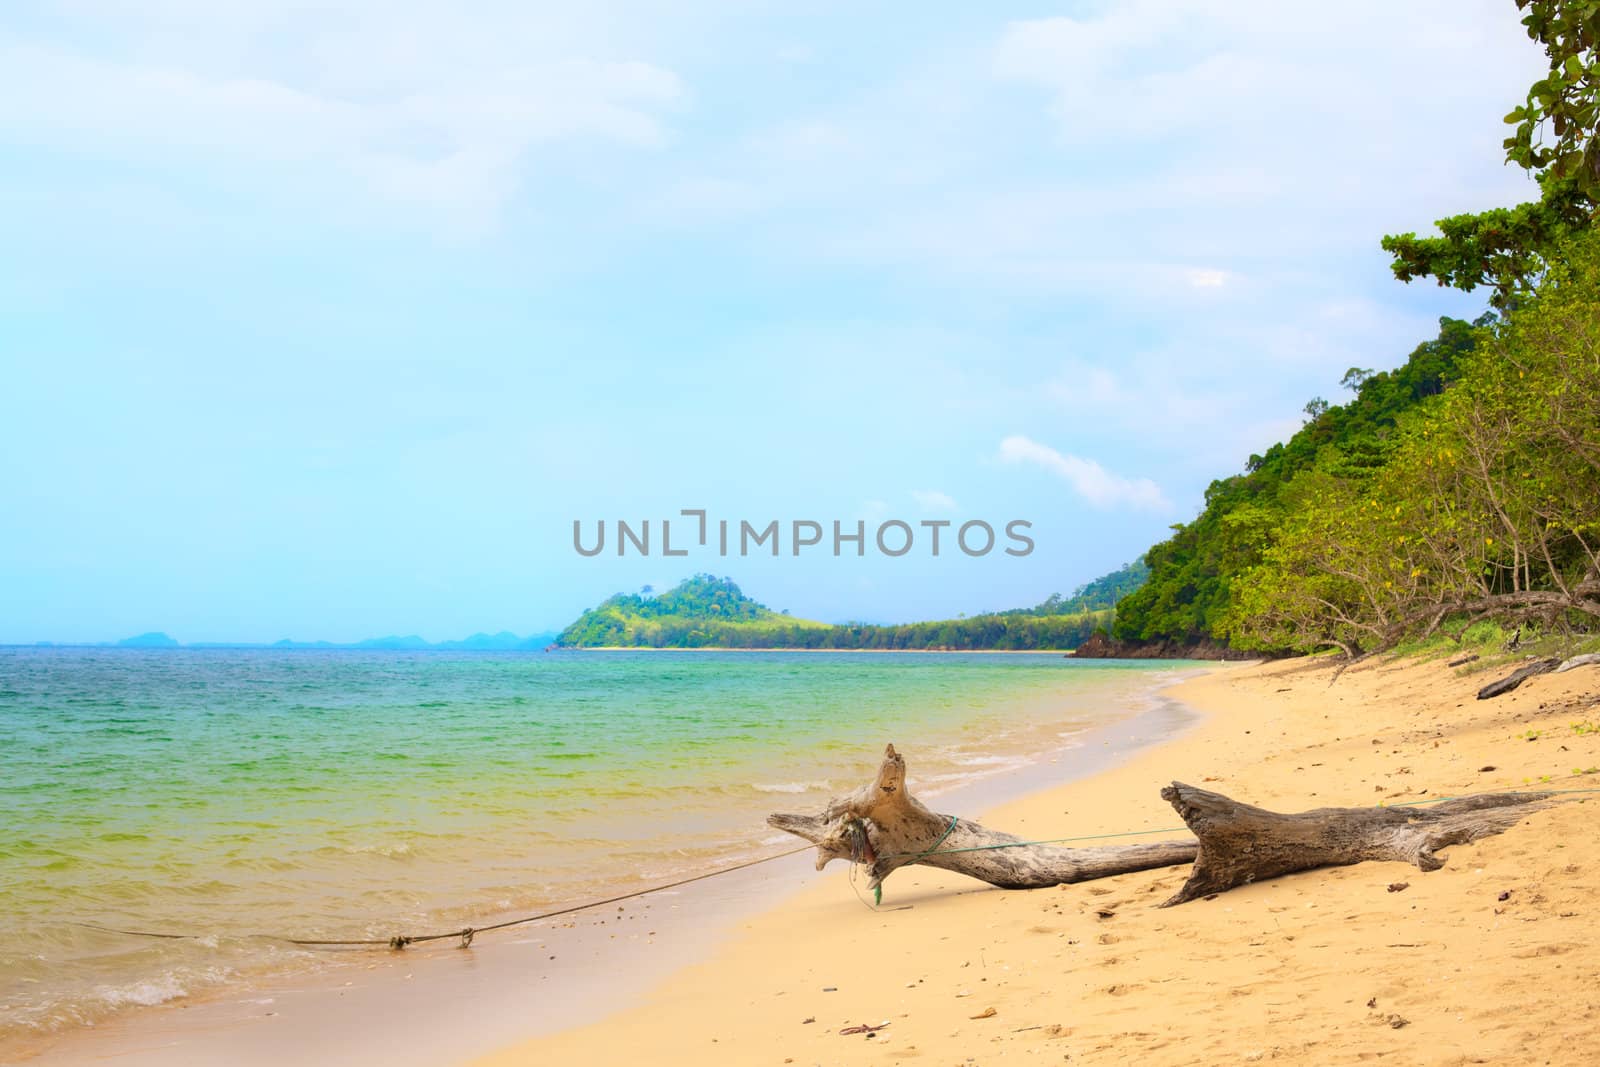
{"x":933,"y":500}
{"x":417,"y":114}
{"x":1087,"y":478}
{"x":1174,"y":147}
{"x":1217,"y":73}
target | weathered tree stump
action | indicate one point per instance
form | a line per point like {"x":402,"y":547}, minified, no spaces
{"x":882,"y":826}
{"x":1240,"y":844}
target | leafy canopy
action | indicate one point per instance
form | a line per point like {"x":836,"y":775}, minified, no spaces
{"x":1189,"y":594}
{"x":1508,"y":249}
{"x":1556,"y":128}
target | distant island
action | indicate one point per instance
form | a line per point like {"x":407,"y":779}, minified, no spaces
{"x":504,"y":641}
{"x":154,"y":639}
{"x":710,"y":612}
{"x":706,"y":611}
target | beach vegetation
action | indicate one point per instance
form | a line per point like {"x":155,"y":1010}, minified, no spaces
{"x":1554,"y":137}
{"x":1188,"y":594}
{"x":1485,"y":503}
{"x":1457,"y":496}
{"x":1455,"y":501}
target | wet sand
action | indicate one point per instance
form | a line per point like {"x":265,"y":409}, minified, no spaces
{"x":1493,"y":959}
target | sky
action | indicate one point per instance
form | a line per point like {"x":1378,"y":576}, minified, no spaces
{"x":329,"y":320}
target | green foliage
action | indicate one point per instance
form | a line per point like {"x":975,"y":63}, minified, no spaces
{"x":1466,"y":485}
{"x":1098,"y":595}
{"x":1506,"y":249}
{"x":698,"y":612}
{"x":709,"y":612}
{"x":1188,"y":596}
{"x":1565,"y":103}
{"x":1509,"y":249}
{"x":997,"y":632}
{"x":1485,"y":637}
{"x":1354,"y":377}
{"x":1485,"y":503}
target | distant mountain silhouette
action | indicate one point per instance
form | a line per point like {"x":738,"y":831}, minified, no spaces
{"x":153,"y":639}
{"x":504,"y":641}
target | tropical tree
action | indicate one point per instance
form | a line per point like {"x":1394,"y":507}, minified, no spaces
{"x":1555,"y":139}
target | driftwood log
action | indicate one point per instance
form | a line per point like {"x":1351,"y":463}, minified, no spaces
{"x":882,"y":826}
{"x":1240,"y":844}
{"x":1517,"y":677}
{"x":1585,"y":660}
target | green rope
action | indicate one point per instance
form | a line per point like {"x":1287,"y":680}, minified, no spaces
{"x":877,"y":890}
{"x":948,"y":830}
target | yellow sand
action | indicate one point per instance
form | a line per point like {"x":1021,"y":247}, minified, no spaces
{"x":1322,"y":967}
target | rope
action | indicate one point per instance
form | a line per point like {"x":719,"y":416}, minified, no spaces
{"x":400,"y":941}
{"x":466,"y":933}
{"x":877,"y":890}
{"x":948,"y":830}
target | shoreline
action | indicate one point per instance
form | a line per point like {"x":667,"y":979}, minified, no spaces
{"x":348,"y":1011}
{"x":869,"y":651}
{"x":1493,"y":958}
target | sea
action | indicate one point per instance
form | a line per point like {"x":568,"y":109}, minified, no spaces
{"x":241,"y":797}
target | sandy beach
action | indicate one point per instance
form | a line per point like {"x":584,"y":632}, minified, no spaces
{"x":1493,"y":959}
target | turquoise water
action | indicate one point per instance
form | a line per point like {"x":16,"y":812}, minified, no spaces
{"x":361,"y":794}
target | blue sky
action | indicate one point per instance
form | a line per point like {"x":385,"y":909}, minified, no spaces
{"x":327,"y":320}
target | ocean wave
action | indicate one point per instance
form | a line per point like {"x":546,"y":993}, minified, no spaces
{"x":989,"y":761}
{"x":789,"y":787}
{"x":146,"y":994}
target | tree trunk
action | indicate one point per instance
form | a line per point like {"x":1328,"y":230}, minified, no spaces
{"x":884,"y":827}
{"x":1240,"y":844}
{"x":1578,"y":661}
{"x":1517,"y":677}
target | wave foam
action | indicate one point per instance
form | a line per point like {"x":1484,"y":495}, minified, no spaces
{"x":789,"y":787}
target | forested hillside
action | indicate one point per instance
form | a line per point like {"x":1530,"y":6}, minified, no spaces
{"x":1464,"y":485}
{"x":1188,"y":594}
{"x":709,"y":612}
{"x":1098,"y":595}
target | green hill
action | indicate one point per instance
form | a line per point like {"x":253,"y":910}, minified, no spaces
{"x":1462,"y":487}
{"x":1188,"y":596}
{"x":1098,"y":595}
{"x":709,"y":612}
{"x":700,"y":612}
